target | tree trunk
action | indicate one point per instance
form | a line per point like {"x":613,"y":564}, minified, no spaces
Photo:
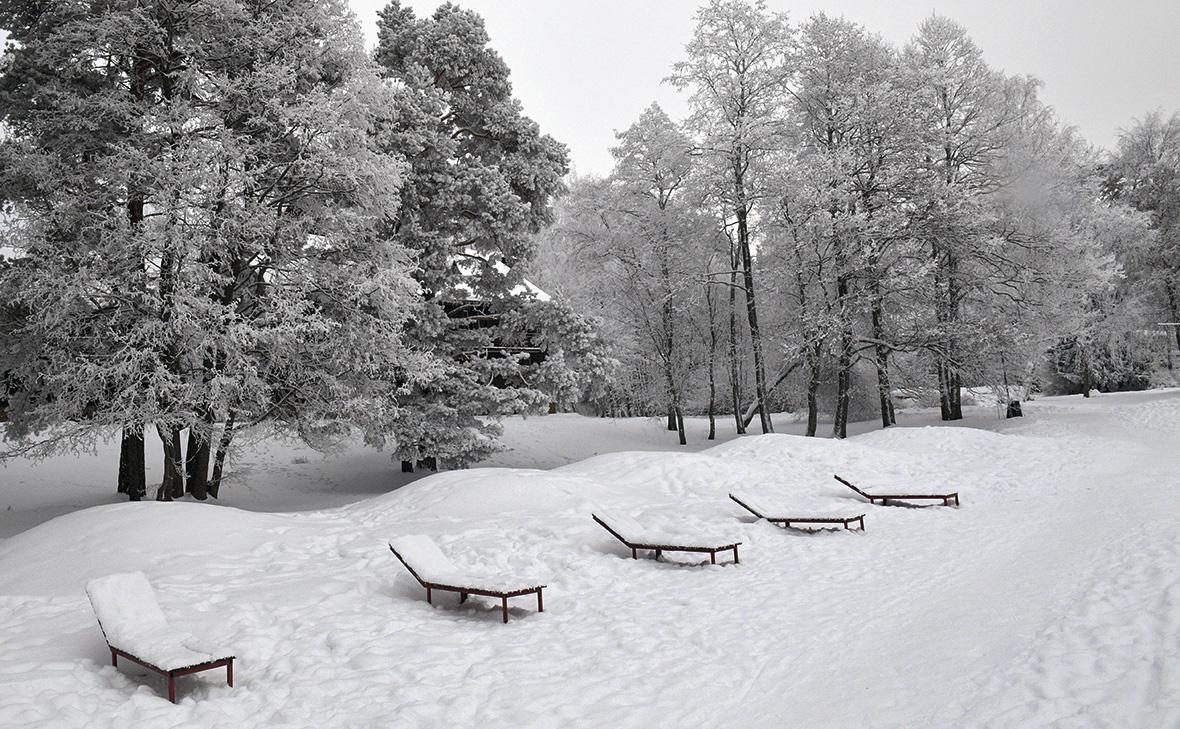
{"x":752,"y":310}
{"x":132,"y":473}
{"x":712,"y":364}
{"x":844,"y":357}
{"x":884,"y":387}
{"x":196,"y":463}
{"x":1087,"y":378}
{"x":227,"y":436}
{"x":172,"y":483}
{"x":735,"y":384}
{"x":813,"y":378}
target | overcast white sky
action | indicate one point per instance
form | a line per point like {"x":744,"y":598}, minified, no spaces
{"x":586,"y":68}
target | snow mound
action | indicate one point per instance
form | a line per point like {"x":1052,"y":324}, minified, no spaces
{"x":61,"y":555}
{"x":480,"y":493}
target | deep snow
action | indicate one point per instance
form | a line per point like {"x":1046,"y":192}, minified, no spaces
{"x":1050,"y":598}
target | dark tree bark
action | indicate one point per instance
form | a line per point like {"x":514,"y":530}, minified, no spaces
{"x":743,"y":241}
{"x":884,"y":387}
{"x":132,"y":472}
{"x":813,"y":379}
{"x":735,"y":384}
{"x":844,"y":355}
{"x":172,"y":484}
{"x":227,"y":436}
{"x":196,"y":463}
{"x":712,"y":367}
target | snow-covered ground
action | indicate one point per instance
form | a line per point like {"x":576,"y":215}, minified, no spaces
{"x":1050,"y":598}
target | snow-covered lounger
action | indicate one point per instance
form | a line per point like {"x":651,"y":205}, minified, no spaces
{"x":760,"y":511}
{"x":886,"y":498}
{"x":636,"y":537}
{"x":134,"y":627}
{"x":422,"y":557}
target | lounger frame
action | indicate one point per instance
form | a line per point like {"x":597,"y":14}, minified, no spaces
{"x":787,"y":521}
{"x":465,"y":591}
{"x":172,"y":674}
{"x":884,"y":499}
{"x":659,"y":549}
{"x":228,"y":662}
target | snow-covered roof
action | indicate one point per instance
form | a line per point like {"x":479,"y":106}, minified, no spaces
{"x":470,"y":268}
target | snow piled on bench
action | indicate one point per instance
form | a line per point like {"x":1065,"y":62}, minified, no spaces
{"x":431,"y":565}
{"x":131,"y":620}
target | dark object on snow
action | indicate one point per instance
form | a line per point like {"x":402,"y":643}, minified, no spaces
{"x":629,"y":532}
{"x":135,"y":628}
{"x":761,"y":512}
{"x":431,"y":568}
{"x":886,"y":498}
{"x":1014,"y":410}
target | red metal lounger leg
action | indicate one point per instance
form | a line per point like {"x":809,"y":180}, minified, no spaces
{"x":229,"y":673}
{"x":634,"y":554}
{"x":658,"y":553}
{"x":862,"y":523}
{"x":172,"y":688}
{"x":540,"y":605}
{"x":712,"y":558}
{"x":462,"y":597}
{"x":114,"y":658}
{"x":428,"y":596}
{"x":505,"y":601}
{"x":735,"y":557}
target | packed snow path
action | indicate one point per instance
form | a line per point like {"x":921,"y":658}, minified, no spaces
{"x":1050,"y":598}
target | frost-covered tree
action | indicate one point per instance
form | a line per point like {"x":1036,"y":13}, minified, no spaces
{"x":967,"y":112}
{"x":479,"y":186}
{"x":641,"y":240}
{"x":737,"y":69}
{"x":1145,"y":173}
{"x":197,"y":200}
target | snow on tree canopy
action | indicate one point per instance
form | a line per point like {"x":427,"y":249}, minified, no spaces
{"x":131,"y":620}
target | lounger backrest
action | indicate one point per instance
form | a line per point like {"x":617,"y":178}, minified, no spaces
{"x":751,"y":505}
{"x":623,"y":525}
{"x":125,"y":605}
{"x":849,"y":485}
{"x":423,"y":557}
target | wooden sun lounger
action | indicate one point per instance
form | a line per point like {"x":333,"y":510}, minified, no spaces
{"x":636,"y":543}
{"x":455,"y":582}
{"x":787,"y":521}
{"x":945,"y":498}
{"x":138,"y":605}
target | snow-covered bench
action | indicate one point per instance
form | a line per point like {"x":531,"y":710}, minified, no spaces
{"x":637,"y":537}
{"x":945,"y":498}
{"x":761,"y":511}
{"x":136,"y":629}
{"x":431,"y":568}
